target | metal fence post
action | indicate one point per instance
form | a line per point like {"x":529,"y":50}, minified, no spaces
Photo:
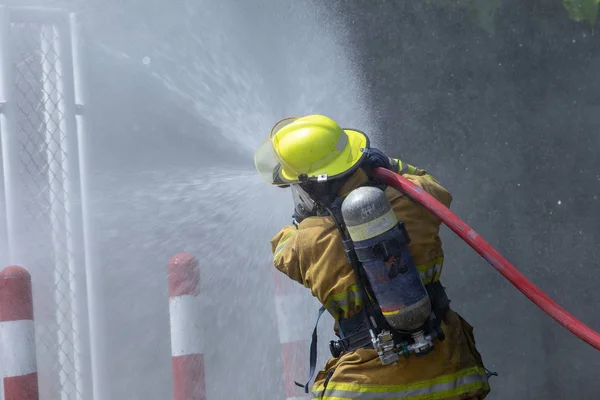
{"x":73,"y":203}
{"x":96,"y":312}
{"x":10,"y":145}
{"x":50,"y":60}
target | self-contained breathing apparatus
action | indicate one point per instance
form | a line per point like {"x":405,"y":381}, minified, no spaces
{"x":400,"y":315}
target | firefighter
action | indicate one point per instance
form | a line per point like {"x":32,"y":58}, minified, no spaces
{"x":322,"y":164}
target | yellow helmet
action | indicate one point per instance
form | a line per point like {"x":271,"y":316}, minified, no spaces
{"x":313,"y":147}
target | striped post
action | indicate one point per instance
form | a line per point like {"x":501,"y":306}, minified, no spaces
{"x":186,"y":343}
{"x":17,"y":335}
{"x":289,"y":297}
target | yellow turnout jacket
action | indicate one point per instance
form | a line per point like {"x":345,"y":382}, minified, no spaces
{"x":313,"y":255}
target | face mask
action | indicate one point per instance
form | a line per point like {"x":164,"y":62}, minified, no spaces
{"x":303,"y":203}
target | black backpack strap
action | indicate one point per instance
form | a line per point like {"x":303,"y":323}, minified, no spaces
{"x":313,"y":353}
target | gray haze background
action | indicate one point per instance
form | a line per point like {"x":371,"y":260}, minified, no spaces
{"x":507,"y":122}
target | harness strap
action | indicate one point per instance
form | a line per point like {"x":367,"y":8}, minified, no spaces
{"x":349,"y":326}
{"x":359,"y":338}
{"x":356,"y":336}
{"x":313,"y":353}
{"x":440,"y":303}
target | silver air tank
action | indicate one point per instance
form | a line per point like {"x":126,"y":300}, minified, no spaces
{"x":381,"y":244}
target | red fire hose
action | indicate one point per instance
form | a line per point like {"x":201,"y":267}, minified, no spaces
{"x":491,"y":255}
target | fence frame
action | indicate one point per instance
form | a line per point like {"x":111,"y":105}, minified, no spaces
{"x":86,"y":284}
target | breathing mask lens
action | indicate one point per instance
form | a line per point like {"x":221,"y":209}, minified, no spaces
{"x":303,"y":203}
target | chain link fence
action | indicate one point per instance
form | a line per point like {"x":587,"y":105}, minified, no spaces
{"x":45,"y":234}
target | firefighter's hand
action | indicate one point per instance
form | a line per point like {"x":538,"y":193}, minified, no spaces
{"x":375,"y":158}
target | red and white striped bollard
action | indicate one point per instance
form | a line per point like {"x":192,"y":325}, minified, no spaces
{"x":17,"y":335}
{"x":186,"y":341}
{"x":289,"y":297}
